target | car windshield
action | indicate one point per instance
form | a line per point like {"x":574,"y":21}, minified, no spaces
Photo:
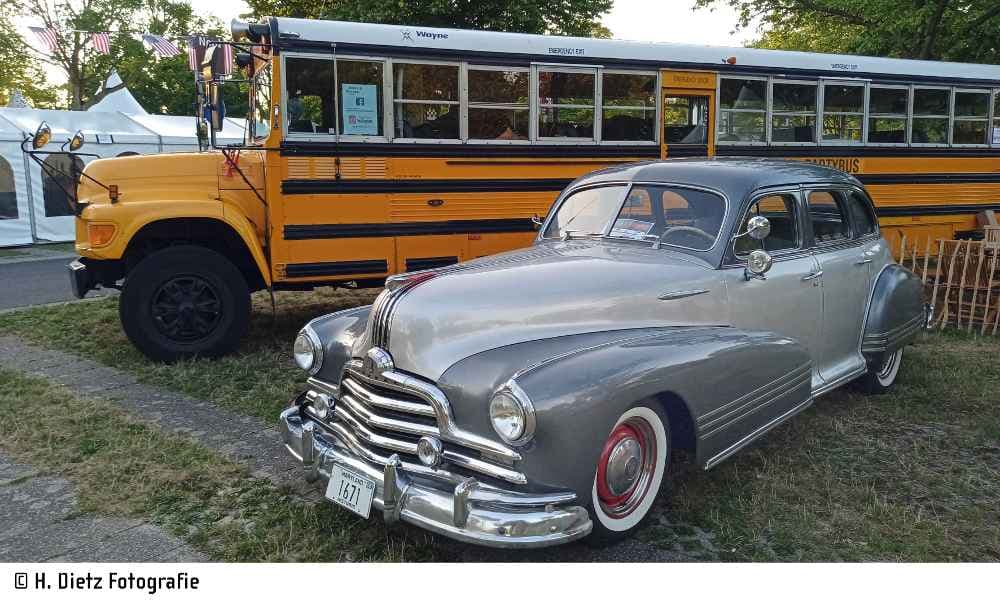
{"x":674,"y":215}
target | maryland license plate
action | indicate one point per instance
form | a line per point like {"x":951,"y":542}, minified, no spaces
{"x":351,"y":490}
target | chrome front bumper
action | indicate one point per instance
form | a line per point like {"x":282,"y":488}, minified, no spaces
{"x":472,"y":512}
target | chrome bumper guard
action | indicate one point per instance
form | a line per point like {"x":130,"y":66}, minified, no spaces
{"x":472,"y":513}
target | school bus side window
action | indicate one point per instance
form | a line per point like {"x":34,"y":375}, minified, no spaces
{"x":498,"y":103}
{"x":426,"y":101}
{"x":629,"y":107}
{"x":359,"y":97}
{"x":309,"y":108}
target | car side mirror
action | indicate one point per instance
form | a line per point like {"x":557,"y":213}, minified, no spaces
{"x":758,"y":264}
{"x":42,"y":136}
{"x":758,"y":228}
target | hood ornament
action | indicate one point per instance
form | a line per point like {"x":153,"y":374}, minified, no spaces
{"x":377,"y":361}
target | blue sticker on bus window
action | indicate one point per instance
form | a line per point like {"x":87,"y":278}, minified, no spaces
{"x":359,"y":110}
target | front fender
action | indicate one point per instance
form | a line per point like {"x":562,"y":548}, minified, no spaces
{"x":338,"y":332}
{"x":896,"y":312}
{"x":130,"y":217}
{"x":732,"y":382}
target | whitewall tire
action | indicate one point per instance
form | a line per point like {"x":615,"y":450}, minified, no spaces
{"x":629,"y":472}
{"x":881,"y":376}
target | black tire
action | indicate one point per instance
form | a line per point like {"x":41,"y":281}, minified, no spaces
{"x":210,"y":296}
{"x":621,"y":517}
{"x":882,"y":374}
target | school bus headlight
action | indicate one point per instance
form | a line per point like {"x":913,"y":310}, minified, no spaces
{"x":100,"y":234}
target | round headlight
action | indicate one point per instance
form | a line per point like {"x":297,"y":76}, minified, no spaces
{"x":512,"y":416}
{"x":307,"y":351}
{"x":429,"y":451}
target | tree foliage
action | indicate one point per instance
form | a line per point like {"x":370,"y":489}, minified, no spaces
{"x":161,"y":85}
{"x":561,"y":17}
{"x":956,"y":30}
{"x":18,"y":71}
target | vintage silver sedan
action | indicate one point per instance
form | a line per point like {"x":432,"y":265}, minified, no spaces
{"x":535,"y":397}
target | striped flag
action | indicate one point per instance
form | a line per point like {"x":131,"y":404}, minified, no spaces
{"x":101,"y":41}
{"x":227,"y":59}
{"x":195,"y":51}
{"x":48,"y":37}
{"x":161,"y":45}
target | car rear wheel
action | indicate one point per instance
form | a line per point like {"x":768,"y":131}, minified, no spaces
{"x":882,"y":374}
{"x":629,"y":473}
{"x":184,"y":301}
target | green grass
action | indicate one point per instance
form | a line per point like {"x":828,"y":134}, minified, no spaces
{"x":909,"y":476}
{"x":121,"y":466}
{"x":258,"y":380}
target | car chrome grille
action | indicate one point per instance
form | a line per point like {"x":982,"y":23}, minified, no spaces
{"x":376,"y":421}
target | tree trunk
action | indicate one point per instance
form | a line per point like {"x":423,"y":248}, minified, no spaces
{"x":933,"y":26}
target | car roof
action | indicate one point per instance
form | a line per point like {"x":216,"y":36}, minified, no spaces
{"x":733,"y":176}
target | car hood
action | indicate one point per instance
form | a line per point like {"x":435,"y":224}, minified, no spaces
{"x":549,"y":290}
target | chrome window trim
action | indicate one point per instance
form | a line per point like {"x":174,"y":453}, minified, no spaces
{"x":915,"y":117}
{"x":494,"y":105}
{"x":657,"y":108}
{"x":905,"y":116}
{"x":538,"y":68}
{"x":955,"y":91}
{"x":460,"y":81}
{"x":732,"y":259}
{"x":830,"y":246}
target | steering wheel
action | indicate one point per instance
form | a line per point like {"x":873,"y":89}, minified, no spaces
{"x":687,"y":229}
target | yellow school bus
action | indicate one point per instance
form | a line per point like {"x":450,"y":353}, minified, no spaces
{"x":378,"y":149}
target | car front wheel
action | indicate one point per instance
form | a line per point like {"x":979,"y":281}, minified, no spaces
{"x":629,"y":473}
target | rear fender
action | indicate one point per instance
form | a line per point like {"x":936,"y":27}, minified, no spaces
{"x":895,"y":314}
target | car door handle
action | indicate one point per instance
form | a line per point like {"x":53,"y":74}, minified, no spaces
{"x":813,"y":275}
{"x":863,"y":261}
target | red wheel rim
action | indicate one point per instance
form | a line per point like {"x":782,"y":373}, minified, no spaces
{"x":628,"y":459}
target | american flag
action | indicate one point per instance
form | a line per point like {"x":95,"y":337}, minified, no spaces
{"x":48,"y":37}
{"x":101,"y":41}
{"x":227,"y":59}
{"x":161,"y":45}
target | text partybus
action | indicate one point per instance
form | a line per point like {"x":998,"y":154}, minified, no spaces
{"x":378,"y":149}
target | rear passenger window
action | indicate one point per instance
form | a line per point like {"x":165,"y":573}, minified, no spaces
{"x":780,"y":211}
{"x":861,"y":215}
{"x":829,"y":221}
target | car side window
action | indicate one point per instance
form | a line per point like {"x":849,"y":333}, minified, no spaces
{"x":828,"y":217}
{"x":862,"y":219}
{"x":780,"y":211}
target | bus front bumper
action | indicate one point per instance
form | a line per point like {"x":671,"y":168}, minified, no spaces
{"x":471,"y":513}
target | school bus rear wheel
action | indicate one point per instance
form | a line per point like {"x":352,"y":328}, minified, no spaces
{"x":185,"y":301}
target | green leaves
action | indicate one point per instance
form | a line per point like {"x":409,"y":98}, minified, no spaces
{"x":560,"y":17}
{"x":954,"y":30}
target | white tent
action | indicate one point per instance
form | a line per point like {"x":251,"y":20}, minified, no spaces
{"x":106,"y":134}
{"x":177,"y":134}
{"x":120,"y":100}
{"x":15,"y":211}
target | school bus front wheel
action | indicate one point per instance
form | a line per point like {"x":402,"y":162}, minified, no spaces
{"x":185,"y":301}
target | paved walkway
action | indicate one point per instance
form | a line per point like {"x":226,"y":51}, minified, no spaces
{"x":40,"y":522}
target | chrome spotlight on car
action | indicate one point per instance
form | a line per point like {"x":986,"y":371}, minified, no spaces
{"x":758,"y":264}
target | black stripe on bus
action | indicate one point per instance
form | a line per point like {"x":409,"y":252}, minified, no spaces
{"x":687,"y":150}
{"x":850,"y":151}
{"x":422,"y":264}
{"x":936,"y":209}
{"x":469,"y":150}
{"x":361,"y":230}
{"x":348,"y":267}
{"x":525,"y":59}
{"x":413,"y":186}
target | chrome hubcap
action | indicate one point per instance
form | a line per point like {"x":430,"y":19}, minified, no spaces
{"x":623,"y":465}
{"x":626,"y":467}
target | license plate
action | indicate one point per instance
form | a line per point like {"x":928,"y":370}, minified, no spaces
{"x":351,"y":490}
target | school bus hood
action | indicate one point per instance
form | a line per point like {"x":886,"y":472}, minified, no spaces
{"x":159,"y":177}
